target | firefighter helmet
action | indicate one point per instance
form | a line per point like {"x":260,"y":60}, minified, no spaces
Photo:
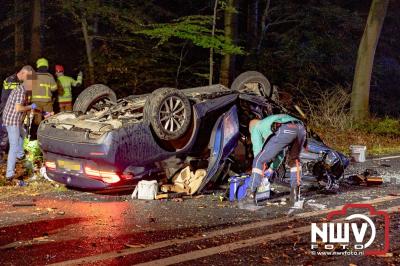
{"x":59,"y":68}
{"x":42,"y":62}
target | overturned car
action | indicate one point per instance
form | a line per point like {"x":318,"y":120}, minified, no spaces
{"x":109,"y":144}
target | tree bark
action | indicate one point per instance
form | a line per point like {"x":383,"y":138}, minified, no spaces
{"x":227,"y":62}
{"x":263,"y":25}
{"x":210,"y":80}
{"x":365,"y":59}
{"x":252,"y":25}
{"x":36,"y":45}
{"x":18,"y":33}
{"x":88,"y":44}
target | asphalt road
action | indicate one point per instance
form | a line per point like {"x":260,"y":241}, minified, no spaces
{"x":76,"y":228}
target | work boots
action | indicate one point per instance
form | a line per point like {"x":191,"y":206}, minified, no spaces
{"x":247,"y":203}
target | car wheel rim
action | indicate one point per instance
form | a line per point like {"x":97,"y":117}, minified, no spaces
{"x":172,"y":114}
{"x":255,"y":87}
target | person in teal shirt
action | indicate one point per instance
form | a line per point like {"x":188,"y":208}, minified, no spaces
{"x":270,"y":137}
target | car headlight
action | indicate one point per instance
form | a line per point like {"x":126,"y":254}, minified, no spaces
{"x":331,"y":158}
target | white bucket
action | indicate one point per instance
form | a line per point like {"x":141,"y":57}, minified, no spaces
{"x":358,"y":153}
{"x":146,"y":190}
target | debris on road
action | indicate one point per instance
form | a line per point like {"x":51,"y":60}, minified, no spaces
{"x":316,"y":206}
{"x":238,"y":186}
{"x":185,"y":183}
{"x":135,"y":245}
{"x":24,"y":204}
{"x":369,"y":177}
{"x":146,"y":190}
{"x":172,"y":196}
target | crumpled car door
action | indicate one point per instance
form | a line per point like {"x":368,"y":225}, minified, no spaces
{"x":224,"y":138}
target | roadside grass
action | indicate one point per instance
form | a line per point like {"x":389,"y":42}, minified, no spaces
{"x":34,"y":188}
{"x":377,"y":144}
{"x":328,"y":115}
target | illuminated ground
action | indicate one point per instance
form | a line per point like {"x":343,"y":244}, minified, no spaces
{"x":89,"y":229}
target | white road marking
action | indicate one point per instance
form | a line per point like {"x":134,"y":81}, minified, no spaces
{"x":386,"y":158}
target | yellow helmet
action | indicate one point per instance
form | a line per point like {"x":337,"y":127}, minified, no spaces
{"x":42,"y":62}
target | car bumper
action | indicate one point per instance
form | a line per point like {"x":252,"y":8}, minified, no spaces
{"x":77,"y":144}
{"x":72,"y":172}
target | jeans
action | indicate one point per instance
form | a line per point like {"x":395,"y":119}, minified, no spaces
{"x":16,"y":139}
{"x":290,"y":135}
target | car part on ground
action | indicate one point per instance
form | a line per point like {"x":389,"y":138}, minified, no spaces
{"x":93,"y":97}
{"x":320,"y":165}
{"x":169,"y":112}
{"x":252,"y":82}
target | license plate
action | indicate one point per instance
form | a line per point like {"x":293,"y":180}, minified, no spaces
{"x":69,"y":165}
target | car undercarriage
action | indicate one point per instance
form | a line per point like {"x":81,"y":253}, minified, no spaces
{"x":155,"y":135}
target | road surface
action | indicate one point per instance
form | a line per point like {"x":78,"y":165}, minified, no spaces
{"x":76,"y":228}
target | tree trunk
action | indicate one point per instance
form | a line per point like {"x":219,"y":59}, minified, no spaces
{"x":226,"y":64}
{"x":252,"y":25}
{"x":88,"y":44}
{"x":36,"y":46}
{"x":264,"y":18}
{"x":365,"y":59}
{"x":210,"y":80}
{"x":18,"y":34}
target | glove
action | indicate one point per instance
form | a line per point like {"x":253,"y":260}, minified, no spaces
{"x":268,"y":173}
{"x":33,"y":106}
{"x":79,"y":78}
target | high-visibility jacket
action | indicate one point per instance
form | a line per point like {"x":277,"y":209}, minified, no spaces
{"x":9,"y":84}
{"x":66,"y":83}
{"x":43,"y":86}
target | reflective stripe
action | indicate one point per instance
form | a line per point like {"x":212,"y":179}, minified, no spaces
{"x":46,"y":87}
{"x":10,"y":85}
{"x":40,"y":97}
{"x":289,"y":132}
{"x":63,"y":100}
{"x":258,"y":171}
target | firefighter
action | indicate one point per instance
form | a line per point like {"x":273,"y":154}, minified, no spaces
{"x":44,"y":91}
{"x":270,"y":137}
{"x":65,"y":84}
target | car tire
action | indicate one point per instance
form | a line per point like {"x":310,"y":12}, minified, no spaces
{"x":91,"y":95}
{"x":167,"y":124}
{"x":241,"y":82}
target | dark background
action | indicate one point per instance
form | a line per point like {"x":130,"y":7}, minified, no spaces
{"x":315,"y":50}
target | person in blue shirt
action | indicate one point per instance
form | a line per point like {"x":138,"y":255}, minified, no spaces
{"x":270,"y":137}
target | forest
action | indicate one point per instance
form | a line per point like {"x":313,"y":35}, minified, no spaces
{"x":308,"y":49}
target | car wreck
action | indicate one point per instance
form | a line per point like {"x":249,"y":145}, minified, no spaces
{"x":107,"y":144}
